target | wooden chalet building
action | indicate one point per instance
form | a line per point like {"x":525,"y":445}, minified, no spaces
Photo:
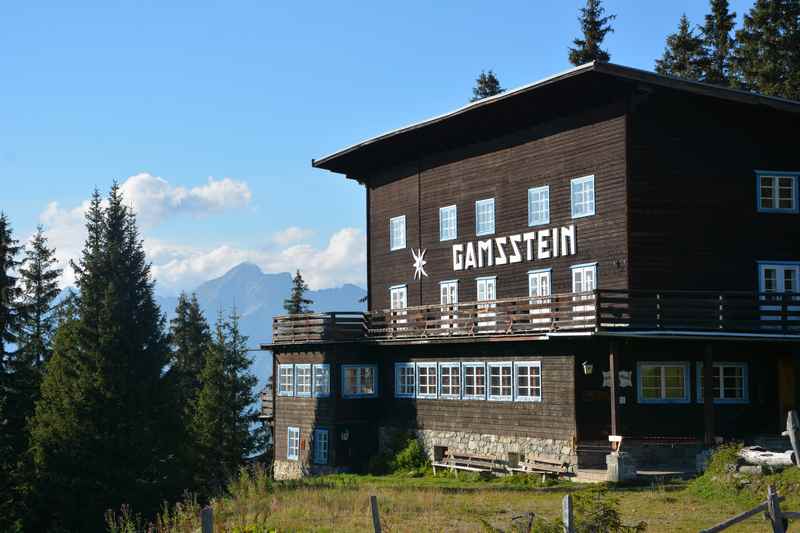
{"x":604,"y":252}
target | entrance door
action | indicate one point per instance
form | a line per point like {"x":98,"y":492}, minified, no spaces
{"x":449,"y":298}
{"x":775,"y":281}
{"x":539,"y":292}
{"x":487,"y":291}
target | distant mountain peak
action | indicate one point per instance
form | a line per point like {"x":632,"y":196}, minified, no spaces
{"x":244,"y":268}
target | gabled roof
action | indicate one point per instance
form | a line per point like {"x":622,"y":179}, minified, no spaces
{"x":346,"y":160}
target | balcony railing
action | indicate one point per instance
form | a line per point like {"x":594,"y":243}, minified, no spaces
{"x":601,"y":310}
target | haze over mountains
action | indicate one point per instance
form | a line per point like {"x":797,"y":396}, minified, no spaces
{"x":258,"y":297}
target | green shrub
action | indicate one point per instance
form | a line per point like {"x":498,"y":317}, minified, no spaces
{"x":411,"y":457}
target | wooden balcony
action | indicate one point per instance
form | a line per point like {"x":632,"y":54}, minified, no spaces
{"x":605,"y":310}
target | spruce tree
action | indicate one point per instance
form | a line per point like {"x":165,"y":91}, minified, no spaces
{"x":718,"y":41}
{"x":225,"y":419}
{"x":99,"y":435}
{"x":767,"y":54}
{"x":486,"y":84}
{"x":297,"y":303}
{"x":594,"y":26}
{"x":684,"y":55}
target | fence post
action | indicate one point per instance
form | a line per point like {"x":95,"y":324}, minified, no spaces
{"x":207,"y":519}
{"x":774,"y":510}
{"x":567,"y":515}
{"x":376,"y":519}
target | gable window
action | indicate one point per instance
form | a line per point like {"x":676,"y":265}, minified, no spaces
{"x":426,"y":380}
{"x":729,"y":382}
{"x":302,"y":380}
{"x":582,"y":196}
{"x":663,"y":382}
{"x":474,"y":381}
{"x":321,"y":446}
{"x":397,"y":233}
{"x":359,"y":381}
{"x":450,"y":380}
{"x":777,"y":192}
{"x":404,"y":380}
{"x":322,"y":380}
{"x":528,"y":381}
{"x":539,"y":205}
{"x":285,"y":380}
{"x":484,"y":217}
{"x":448,"y":227}
{"x":500,"y":381}
{"x":293,"y":444}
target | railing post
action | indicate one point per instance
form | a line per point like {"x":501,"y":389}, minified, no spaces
{"x":596,"y":309}
{"x":658,"y":310}
{"x":721,"y":308}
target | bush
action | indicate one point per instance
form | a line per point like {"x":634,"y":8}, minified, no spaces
{"x":412,"y":457}
{"x":404,"y":454}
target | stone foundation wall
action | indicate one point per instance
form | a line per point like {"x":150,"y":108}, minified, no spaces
{"x":296,"y":470}
{"x":499,"y":446}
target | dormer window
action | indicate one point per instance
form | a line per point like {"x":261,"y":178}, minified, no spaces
{"x":777,"y":191}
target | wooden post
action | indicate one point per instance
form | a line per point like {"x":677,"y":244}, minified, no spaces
{"x":613,"y":356}
{"x":207,"y":520}
{"x":567,"y":514}
{"x":708,"y":395}
{"x":793,"y":432}
{"x":774,"y":510}
{"x":376,"y":519}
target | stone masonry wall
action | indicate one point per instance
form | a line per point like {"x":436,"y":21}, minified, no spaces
{"x":297,"y":469}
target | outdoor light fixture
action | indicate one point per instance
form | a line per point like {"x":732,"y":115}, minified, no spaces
{"x":587,"y":368}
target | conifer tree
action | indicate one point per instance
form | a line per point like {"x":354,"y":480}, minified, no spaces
{"x":486,"y":84}
{"x":99,"y":434}
{"x":225,"y":417}
{"x":684,"y":55}
{"x":190,"y":336}
{"x":297,"y":303}
{"x":718,"y":41}
{"x":594,"y":26}
{"x":767,"y":54}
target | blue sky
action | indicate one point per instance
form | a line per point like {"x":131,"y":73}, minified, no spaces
{"x":245,"y":93}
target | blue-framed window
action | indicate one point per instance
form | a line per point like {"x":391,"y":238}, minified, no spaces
{"x":426,"y":380}
{"x":322,"y":380}
{"x":397,"y":233}
{"x":302,"y":380}
{"x":582,"y":196}
{"x":405,"y":380}
{"x":321,"y":446}
{"x":777,"y":192}
{"x":474,"y":381}
{"x":663,"y":382}
{"x":484,"y":217}
{"x":448,"y":223}
{"x":293,"y":443}
{"x":501,"y":381}
{"x":539,"y":205}
{"x":450,"y":381}
{"x":729,"y":380}
{"x":285,"y":380}
{"x":359,"y":381}
{"x":527,"y":381}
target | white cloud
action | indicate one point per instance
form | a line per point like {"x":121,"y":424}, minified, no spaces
{"x":291,"y":235}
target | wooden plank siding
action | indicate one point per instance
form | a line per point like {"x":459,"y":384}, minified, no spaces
{"x":547,"y":154}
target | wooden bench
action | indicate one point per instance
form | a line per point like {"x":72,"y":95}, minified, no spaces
{"x":455,"y":460}
{"x":547,"y":467}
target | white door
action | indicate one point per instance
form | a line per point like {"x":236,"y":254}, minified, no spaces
{"x":449,"y":298}
{"x":584,"y":280}
{"x":399,"y":304}
{"x":539,"y":291}
{"x":778,"y":279}
{"x":487,"y":292}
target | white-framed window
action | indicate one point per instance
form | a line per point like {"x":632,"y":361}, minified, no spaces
{"x":729,"y":382}
{"x":405,"y":380}
{"x":426,"y":380}
{"x":302,"y":380}
{"x":584,"y":281}
{"x":321,"y":445}
{"x":322,"y":380}
{"x":293,"y":444}
{"x":663,"y":382}
{"x":448,"y":223}
{"x":539,"y":205}
{"x":500,"y":381}
{"x":397,"y":233}
{"x":582,"y":196}
{"x":528,"y":381}
{"x":448,"y":297}
{"x":398,"y":300}
{"x":474,"y":381}
{"x":775,"y":280}
{"x":487,"y":291}
{"x":539,"y":286}
{"x":777,"y":191}
{"x":285,"y":380}
{"x":359,"y":381}
{"x":484,"y":217}
{"x":450,"y":381}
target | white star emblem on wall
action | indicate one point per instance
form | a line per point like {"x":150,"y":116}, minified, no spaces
{"x":419,"y":263}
